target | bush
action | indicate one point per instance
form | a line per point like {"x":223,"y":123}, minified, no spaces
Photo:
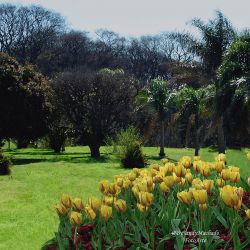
{"x":4,"y":165}
{"x":127,"y":145}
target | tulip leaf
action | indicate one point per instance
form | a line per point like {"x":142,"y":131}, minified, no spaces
{"x":219,"y":217}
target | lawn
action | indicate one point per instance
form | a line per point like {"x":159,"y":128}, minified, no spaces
{"x":39,"y":177}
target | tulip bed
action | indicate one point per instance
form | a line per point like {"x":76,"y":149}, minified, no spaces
{"x":190,"y":204}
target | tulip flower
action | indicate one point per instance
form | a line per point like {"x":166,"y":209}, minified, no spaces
{"x":146,"y":199}
{"x":120,"y":205}
{"x":94,"y":203}
{"x":197,"y":165}
{"x":66,"y":200}
{"x":220,"y":182}
{"x":208,"y":185}
{"x":105,"y":212}
{"x":90,"y":213}
{"x":164,"y":161}
{"x":189,"y":177}
{"x":197,"y":183}
{"x":61,"y":209}
{"x":205,"y":170}
{"x":119,"y":182}
{"x":103,"y":186}
{"x":197,"y":158}
{"x":219,"y":165}
{"x":232,"y":196}
{"x":164,"y":188}
{"x":225,"y":174}
{"x":126,"y":184}
{"x":234,"y":176}
{"x":200,"y":196}
{"x":248,"y":213}
{"x":234,"y":169}
{"x":141,"y":208}
{"x":78,"y":204}
{"x":75,"y":218}
{"x":132,"y":176}
{"x":221,"y":157}
{"x":169,"y":181}
{"x":185,"y":197}
{"x":114,"y":189}
{"x":109,"y":200}
{"x":170,"y":167}
{"x":179,"y":170}
{"x":155,"y":166}
{"x":181,"y":181}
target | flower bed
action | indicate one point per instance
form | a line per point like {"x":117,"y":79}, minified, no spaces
{"x":166,"y":206}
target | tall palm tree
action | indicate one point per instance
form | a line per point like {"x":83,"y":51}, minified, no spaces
{"x":159,"y":97}
{"x":195,"y":103}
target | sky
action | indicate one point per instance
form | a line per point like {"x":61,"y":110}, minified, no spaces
{"x":142,"y":17}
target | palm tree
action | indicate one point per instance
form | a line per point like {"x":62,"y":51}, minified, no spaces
{"x":158,"y":97}
{"x":195,"y":104}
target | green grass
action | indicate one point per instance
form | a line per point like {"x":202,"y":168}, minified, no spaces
{"x":39,"y":178}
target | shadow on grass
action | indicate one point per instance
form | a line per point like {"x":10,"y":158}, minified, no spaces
{"x":36,"y":155}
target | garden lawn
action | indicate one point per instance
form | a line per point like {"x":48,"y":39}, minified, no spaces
{"x":39,"y":178}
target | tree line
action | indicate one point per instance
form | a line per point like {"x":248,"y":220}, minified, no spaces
{"x":177,"y":89}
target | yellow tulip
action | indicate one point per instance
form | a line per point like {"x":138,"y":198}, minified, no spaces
{"x":208,"y":184}
{"x":135,"y":191}
{"x":126,"y":184}
{"x":164,"y":188}
{"x":146,"y":199}
{"x":119,"y":182}
{"x":197,"y":158}
{"x":109,"y":200}
{"x":105,"y":212}
{"x":225,"y":174}
{"x":189,"y":177}
{"x":205,"y":170}
{"x":197,"y":183}
{"x":164,"y":161}
{"x":120,"y":205}
{"x":90,"y":213}
{"x":248,"y":213}
{"x":164,"y":170}
{"x":78,"y":204}
{"x":221,"y":157}
{"x":203,"y":207}
{"x":220,"y":182}
{"x":132,"y":176}
{"x":155,"y":166}
{"x":114,"y":189}
{"x":94,"y":203}
{"x":197,"y":165}
{"x":219,"y":165}
{"x":234,"y":169}
{"x":185,"y":197}
{"x":150,"y":183}
{"x":179,"y":170}
{"x":234,"y":176}
{"x":176,"y":178}
{"x":104,"y":186}
{"x":182,"y":181}
{"x":75,"y":218}
{"x":200,"y":196}
{"x":66,"y":200}
{"x":136,"y":171}
{"x":61,"y":209}
{"x":231,"y":196}
{"x":169,"y":180}
{"x":170,"y":167}
{"x":186,"y":161}
{"x":141,"y":208}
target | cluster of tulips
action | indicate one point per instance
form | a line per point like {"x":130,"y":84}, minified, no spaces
{"x":165,"y":206}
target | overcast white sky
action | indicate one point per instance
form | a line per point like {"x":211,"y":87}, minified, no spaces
{"x":140,"y":17}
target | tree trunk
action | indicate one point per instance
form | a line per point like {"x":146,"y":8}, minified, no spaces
{"x":162,"y":153}
{"x":95,"y":151}
{"x":197,"y":135}
{"x":221,"y":137}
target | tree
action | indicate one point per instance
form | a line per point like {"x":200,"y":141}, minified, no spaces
{"x":193,"y":104}
{"x":216,"y":36}
{"x":97,"y":104}
{"x":24,"y":100}
{"x":233,"y":88}
{"x":159,"y":97}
